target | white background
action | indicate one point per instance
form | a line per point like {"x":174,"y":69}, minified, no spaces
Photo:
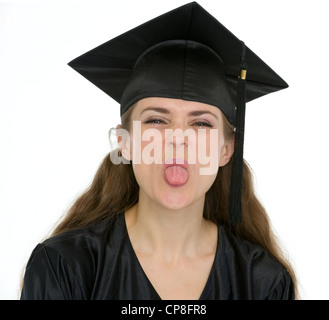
{"x":54,"y":123}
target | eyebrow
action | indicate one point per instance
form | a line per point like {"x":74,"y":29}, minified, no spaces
{"x":201,"y":112}
{"x":190,"y":114}
{"x":157,"y":109}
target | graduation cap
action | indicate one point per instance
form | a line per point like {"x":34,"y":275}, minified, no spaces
{"x":184,"y":54}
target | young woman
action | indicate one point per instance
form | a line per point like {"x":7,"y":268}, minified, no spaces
{"x":170,"y":220}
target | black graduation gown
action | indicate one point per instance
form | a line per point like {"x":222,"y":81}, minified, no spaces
{"x":98,"y":262}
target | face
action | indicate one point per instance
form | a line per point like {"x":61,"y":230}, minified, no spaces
{"x":176,"y":149}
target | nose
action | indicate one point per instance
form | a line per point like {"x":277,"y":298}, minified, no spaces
{"x":180,"y":142}
{"x":176,"y":136}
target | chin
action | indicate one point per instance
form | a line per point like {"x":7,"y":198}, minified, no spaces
{"x":175,"y":200}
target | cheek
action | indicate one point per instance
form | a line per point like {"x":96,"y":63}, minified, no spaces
{"x":144,"y":177}
{"x":146,"y":145}
{"x":210,"y":148}
{"x":148,"y":176}
{"x":206,"y":176}
{"x":146,"y":149}
{"x":143,"y":172}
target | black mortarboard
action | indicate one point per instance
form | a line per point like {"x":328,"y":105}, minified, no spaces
{"x":185,"y":54}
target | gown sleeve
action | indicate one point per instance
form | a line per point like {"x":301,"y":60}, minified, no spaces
{"x":48,"y":277}
{"x":284,"y":289}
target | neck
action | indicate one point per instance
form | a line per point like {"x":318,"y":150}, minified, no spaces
{"x":154,"y":229}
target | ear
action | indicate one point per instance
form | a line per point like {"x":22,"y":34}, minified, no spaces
{"x":123,"y":139}
{"x":226,"y":153}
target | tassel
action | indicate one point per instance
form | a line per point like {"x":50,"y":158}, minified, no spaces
{"x":235,"y":214}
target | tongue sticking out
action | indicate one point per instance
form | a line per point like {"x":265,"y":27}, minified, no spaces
{"x":176,"y":175}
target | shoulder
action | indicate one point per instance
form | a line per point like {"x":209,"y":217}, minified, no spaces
{"x":263,"y":275}
{"x":240,"y":248}
{"x":67,"y":263}
{"x":82,"y":246}
{"x":71,"y":244}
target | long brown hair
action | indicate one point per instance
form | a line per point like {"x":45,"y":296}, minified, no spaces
{"x":114,"y":189}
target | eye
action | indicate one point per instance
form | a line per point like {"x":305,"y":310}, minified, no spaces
{"x":202,"y":124}
{"x":154,"y":121}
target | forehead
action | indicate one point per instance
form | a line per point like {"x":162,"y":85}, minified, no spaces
{"x":174,"y":106}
